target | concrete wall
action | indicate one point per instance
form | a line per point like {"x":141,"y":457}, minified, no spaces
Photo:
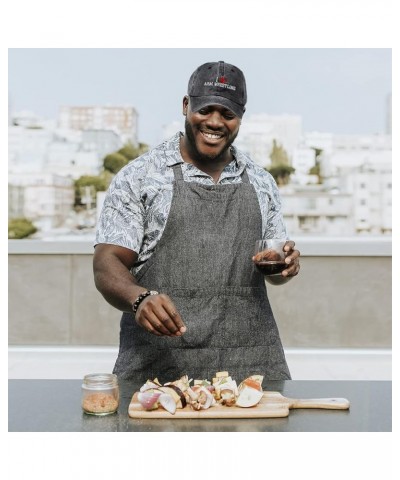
{"x":341,"y":298}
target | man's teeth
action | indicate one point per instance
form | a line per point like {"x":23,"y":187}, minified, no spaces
{"x":211,"y":135}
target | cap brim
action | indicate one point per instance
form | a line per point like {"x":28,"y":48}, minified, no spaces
{"x":197,"y":103}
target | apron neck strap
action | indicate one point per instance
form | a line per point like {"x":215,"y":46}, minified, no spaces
{"x":177,"y":169}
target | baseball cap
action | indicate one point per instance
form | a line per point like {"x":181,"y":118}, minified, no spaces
{"x":218,"y":83}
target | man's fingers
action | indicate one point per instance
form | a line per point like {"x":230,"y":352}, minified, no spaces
{"x":289,"y":245}
{"x":166,"y":320}
{"x":149,"y":327}
{"x":158,"y":314}
{"x":174,"y":315}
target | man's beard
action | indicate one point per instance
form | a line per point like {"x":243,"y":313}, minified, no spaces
{"x":201,"y":156}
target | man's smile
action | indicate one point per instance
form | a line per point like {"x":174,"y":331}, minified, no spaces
{"x":211,"y":137}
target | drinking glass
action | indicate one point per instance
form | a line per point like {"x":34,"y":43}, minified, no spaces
{"x":269,"y":258}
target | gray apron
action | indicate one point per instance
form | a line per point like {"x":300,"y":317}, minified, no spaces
{"x":203,"y":262}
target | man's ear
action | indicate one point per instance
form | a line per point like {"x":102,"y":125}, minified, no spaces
{"x":185,"y":104}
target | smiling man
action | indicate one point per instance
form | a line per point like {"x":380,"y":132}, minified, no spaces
{"x":174,"y":245}
{"x":213,"y":110}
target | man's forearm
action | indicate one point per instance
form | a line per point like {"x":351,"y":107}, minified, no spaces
{"x":115,"y":282}
{"x":119,"y":292}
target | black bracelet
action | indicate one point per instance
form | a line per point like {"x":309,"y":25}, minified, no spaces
{"x":140,"y":299}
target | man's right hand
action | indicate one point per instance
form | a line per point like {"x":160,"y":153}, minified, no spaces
{"x":158,"y":315}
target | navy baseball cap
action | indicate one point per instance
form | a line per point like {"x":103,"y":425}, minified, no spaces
{"x":218,"y":83}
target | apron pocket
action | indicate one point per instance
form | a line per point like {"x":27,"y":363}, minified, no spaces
{"x":248,"y":319}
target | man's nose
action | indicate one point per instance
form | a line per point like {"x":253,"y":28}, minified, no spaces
{"x":214,"y":119}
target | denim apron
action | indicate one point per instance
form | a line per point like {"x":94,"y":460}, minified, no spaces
{"x":203,"y":262}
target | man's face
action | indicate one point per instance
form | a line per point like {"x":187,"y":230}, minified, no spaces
{"x":210,"y":131}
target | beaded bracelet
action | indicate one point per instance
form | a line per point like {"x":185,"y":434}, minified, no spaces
{"x":140,"y":299}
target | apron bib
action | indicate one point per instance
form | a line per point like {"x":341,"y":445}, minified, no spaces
{"x":203,"y":262}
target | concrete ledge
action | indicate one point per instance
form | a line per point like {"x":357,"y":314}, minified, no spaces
{"x":305,"y":364}
{"x":308,"y":246}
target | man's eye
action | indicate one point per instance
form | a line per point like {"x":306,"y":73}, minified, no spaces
{"x":203,"y":111}
{"x":229,"y":115}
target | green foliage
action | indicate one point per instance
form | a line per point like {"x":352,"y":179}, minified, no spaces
{"x":280,"y":167}
{"x":318,"y":152}
{"x":100,"y":183}
{"x":316,"y":169}
{"x":113,"y":162}
{"x":281,"y":173}
{"x":130,"y":152}
{"x":20,"y":228}
{"x":278,"y":155}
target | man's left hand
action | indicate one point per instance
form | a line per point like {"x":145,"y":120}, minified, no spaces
{"x":291,"y":259}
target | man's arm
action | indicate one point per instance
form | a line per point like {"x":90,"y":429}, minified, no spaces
{"x":112,"y":277}
{"x":111,"y":267}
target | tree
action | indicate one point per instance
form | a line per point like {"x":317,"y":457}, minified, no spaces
{"x":130,"y":152}
{"x":281,"y":173}
{"x":280,"y":167}
{"x":20,"y":228}
{"x":316,"y":169}
{"x":278,"y":155}
{"x":113,"y":162}
{"x":100,"y":183}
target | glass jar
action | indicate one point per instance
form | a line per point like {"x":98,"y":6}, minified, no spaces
{"x":100,"y":393}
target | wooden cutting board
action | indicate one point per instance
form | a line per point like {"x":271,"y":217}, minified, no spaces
{"x":272,"y":404}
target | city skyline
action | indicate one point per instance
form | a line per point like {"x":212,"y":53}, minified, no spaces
{"x":343,"y":91}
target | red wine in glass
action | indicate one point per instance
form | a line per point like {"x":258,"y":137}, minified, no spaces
{"x":270,"y":267}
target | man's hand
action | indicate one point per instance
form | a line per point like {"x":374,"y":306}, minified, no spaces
{"x":292,"y":259}
{"x":158,"y":315}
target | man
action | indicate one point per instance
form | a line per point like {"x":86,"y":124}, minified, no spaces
{"x":175,"y":241}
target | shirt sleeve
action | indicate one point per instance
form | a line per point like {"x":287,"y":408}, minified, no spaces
{"x":121,"y":221}
{"x":275,"y":225}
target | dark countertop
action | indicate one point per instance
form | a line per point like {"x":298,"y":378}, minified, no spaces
{"x":55,"y":406}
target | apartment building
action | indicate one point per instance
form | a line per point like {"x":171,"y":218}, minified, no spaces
{"x":46,"y":199}
{"x":258,"y":131}
{"x":121,"y":119}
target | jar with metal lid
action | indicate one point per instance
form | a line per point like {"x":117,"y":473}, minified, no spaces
{"x":100,"y":393}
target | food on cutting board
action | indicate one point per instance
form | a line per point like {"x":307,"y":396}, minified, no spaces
{"x":203,"y":394}
{"x":250,"y":391}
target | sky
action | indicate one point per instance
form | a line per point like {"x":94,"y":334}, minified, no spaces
{"x":338,"y":90}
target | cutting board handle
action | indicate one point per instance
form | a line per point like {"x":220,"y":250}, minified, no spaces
{"x":331,"y":403}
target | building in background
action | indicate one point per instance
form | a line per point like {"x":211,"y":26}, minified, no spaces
{"x":121,"y":119}
{"x":44,"y":161}
{"x":75,"y":153}
{"x":170,"y":129}
{"x":315,"y":210}
{"x":341,"y":185}
{"x":354,"y":195}
{"x":44,"y":198}
{"x":258,"y":131}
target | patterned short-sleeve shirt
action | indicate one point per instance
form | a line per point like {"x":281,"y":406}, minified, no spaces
{"x":138,"y":201}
